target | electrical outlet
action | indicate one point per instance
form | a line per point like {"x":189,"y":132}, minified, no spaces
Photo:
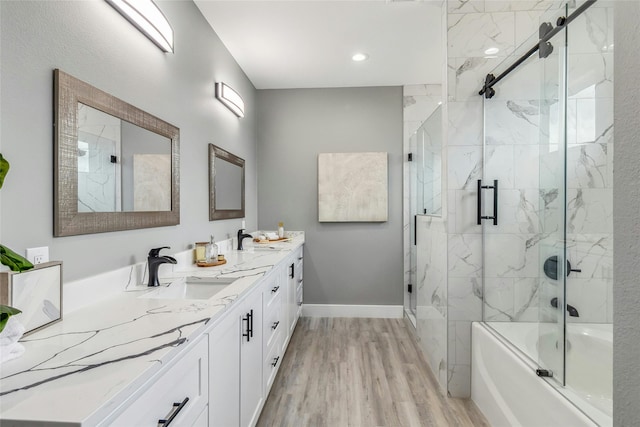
{"x":38,"y":255}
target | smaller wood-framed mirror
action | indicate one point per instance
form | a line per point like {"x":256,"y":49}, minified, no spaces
{"x":226,"y":184}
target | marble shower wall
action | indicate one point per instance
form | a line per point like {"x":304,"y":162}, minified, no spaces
{"x":525,"y":152}
{"x":590,"y":164}
{"x":473,"y":26}
{"x":431,"y":290}
{"x":530,"y":199}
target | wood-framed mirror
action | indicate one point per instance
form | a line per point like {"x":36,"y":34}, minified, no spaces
{"x":226,"y":184}
{"x":116,"y":167}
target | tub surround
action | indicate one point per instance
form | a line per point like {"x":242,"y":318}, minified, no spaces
{"x":81,"y":369}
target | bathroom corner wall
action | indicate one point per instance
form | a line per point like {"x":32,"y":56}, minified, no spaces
{"x":626,"y":205}
{"x":472,"y":27}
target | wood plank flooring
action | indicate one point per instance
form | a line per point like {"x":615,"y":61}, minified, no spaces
{"x":363,"y":373}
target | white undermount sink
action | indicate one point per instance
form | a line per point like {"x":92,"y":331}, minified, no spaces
{"x":192,"y":287}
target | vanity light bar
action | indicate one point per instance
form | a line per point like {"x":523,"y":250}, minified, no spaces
{"x":146,"y":17}
{"x":230,"y":98}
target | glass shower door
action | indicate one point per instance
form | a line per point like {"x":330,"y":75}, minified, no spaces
{"x":522,"y":196}
{"x":552,"y":202}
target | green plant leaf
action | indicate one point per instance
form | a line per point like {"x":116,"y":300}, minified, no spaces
{"x":5,"y":313}
{"x":14,"y":261}
{"x":4,"y":168}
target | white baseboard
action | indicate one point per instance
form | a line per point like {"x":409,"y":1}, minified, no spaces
{"x":342,"y":310}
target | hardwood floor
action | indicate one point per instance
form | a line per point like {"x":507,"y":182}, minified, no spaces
{"x":359,"y":372}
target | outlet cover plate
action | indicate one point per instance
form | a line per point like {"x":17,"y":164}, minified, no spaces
{"x":38,"y":255}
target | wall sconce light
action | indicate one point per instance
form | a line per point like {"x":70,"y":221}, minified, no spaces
{"x":146,"y":17}
{"x":230,"y":98}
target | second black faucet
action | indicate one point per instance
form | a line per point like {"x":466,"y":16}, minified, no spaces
{"x":241,"y":236}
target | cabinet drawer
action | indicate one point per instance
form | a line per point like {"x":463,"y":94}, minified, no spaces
{"x":272,"y":361}
{"x":181,"y":391}
{"x":271,"y":293}
{"x":299,"y":298}
{"x":273,"y":323}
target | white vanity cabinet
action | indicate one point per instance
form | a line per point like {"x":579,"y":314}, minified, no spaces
{"x":235,"y":357}
{"x":218,"y":375}
{"x":177,"y":398}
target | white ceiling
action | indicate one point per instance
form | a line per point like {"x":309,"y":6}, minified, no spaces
{"x":309,"y":44}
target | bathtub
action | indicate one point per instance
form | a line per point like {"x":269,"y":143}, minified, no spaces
{"x":507,"y":390}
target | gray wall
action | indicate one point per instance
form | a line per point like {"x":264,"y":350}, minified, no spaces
{"x":626,"y":211}
{"x":93,"y":42}
{"x":345,"y":263}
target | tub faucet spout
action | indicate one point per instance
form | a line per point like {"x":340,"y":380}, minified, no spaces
{"x":570,"y":309}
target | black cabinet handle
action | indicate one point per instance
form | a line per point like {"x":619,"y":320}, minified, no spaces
{"x":275,"y":325}
{"x":246,"y":334}
{"x":293,"y":269}
{"x":275,"y":361}
{"x":251,"y":323}
{"x":415,"y":230}
{"x":300,"y":258}
{"x":275,"y":289}
{"x":177,"y":407}
{"x":493,"y":187}
{"x":249,"y":319}
{"x":300,"y":281}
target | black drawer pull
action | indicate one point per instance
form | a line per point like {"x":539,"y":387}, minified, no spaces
{"x":292,"y":273}
{"x":299,"y":280}
{"x":275,"y":289}
{"x":299,"y":258}
{"x":275,"y":325}
{"x":275,"y":361}
{"x":177,"y":407}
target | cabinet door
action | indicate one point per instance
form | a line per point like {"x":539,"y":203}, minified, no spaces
{"x":251,"y":396}
{"x":292,"y":305}
{"x":224,"y":378}
{"x":299,"y":280}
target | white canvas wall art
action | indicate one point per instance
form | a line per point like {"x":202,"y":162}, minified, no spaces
{"x":353,"y":187}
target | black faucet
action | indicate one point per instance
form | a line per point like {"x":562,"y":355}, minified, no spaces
{"x":154,"y":260}
{"x":570,"y":309}
{"x":241,"y":236}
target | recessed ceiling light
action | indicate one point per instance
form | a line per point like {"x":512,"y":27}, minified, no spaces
{"x":491,"y":51}
{"x":360,"y":57}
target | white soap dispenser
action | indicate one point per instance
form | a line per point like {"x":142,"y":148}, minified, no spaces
{"x":281,"y":230}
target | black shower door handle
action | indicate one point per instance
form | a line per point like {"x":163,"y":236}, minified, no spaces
{"x":493,"y":187}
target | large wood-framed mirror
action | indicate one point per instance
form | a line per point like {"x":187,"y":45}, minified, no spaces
{"x":116,"y":167}
{"x":226,"y":184}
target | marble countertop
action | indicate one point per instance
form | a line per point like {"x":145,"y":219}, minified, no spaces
{"x":80,"y":369}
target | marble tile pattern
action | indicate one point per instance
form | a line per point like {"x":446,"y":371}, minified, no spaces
{"x":98,"y":178}
{"x":82,"y":368}
{"x":523,"y":152}
{"x":431,"y":317}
